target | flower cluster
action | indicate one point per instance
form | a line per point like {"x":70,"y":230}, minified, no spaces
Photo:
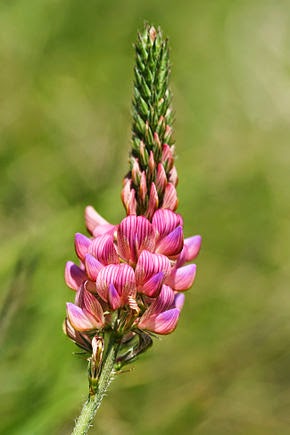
{"x":131,"y":276}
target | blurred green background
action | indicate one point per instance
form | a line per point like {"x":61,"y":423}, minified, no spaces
{"x":65,"y":86}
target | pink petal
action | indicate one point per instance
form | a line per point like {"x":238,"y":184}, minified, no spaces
{"x":163,"y":302}
{"x":79,"y":320}
{"x":193,"y":245}
{"x":190,"y":250}
{"x":152,"y":287}
{"x":163,"y":323}
{"x":182,"y":278}
{"x":172,"y":244}
{"x":179,"y":301}
{"x":93,"y":219}
{"x":82,"y":244}
{"x":93,"y":307}
{"x":74,"y":276}
{"x":149,"y":264}
{"x":170,"y":198}
{"x":93,"y":266}
{"x":123,"y":278}
{"x":104,"y":250}
{"x":114,"y":297}
{"x":165,"y":221}
{"x":104,"y":229}
{"x":134,"y":234}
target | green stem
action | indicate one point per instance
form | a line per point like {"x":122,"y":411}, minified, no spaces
{"x":85,"y":420}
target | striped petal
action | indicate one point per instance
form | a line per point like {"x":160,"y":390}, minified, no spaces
{"x":182,"y":278}
{"x":149,"y":264}
{"x":74,"y":276}
{"x":121,"y":276}
{"x":82,"y":244}
{"x":165,"y":221}
{"x":81,"y":321}
{"x":104,"y":250}
{"x":93,"y":307}
{"x":170,"y":200}
{"x":163,"y":302}
{"x":163,"y":323}
{"x":135,"y":233}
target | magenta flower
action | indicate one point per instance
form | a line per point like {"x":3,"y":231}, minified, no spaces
{"x":136,"y":266}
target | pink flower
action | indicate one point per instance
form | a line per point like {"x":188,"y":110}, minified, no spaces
{"x":88,"y":314}
{"x":136,"y":268}
{"x":162,"y":315}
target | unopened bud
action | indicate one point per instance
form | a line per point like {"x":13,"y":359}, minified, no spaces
{"x":95,"y":363}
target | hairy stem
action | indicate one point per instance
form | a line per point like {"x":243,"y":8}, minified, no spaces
{"x":85,"y":420}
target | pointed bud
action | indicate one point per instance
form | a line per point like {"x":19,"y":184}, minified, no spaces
{"x":97,"y":356}
{"x":157,"y":140}
{"x":151,"y":163}
{"x":170,"y":197}
{"x":153,"y":202}
{"x":152,"y":34}
{"x":167,"y":157}
{"x":173,"y":178}
{"x":161,"y":179}
{"x":136,"y":172}
{"x":143,"y":187}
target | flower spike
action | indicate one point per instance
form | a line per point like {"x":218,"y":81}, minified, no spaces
{"x":131,"y":277}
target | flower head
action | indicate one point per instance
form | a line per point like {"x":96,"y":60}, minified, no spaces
{"x":130,"y":276}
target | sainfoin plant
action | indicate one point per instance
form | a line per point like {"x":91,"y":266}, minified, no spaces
{"x":130,"y":279}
